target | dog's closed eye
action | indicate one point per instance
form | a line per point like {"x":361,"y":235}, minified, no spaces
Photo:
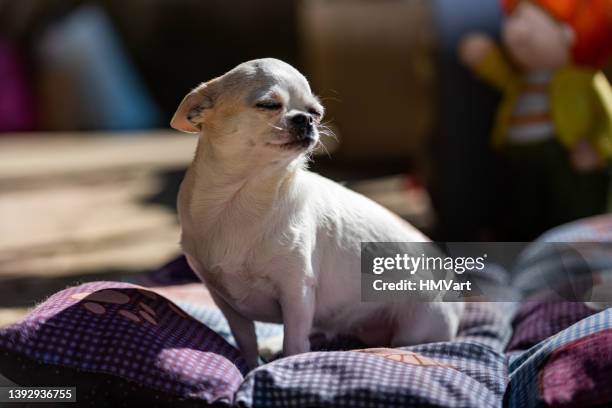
{"x":269,"y":105}
{"x":315,"y":113}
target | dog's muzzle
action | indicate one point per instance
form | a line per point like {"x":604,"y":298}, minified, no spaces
{"x":302,"y":129}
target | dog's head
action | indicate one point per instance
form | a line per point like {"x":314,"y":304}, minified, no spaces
{"x":262,"y":109}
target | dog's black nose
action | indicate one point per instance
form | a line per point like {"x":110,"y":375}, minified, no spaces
{"x":301,"y":120}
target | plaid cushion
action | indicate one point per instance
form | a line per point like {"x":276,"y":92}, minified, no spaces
{"x":125,"y":332}
{"x":526,"y":367}
{"x":569,"y":258}
{"x":592,"y":229}
{"x":138,"y":344}
{"x":579,"y":373}
{"x":469,"y":372}
{"x":536,"y":321}
{"x":558,"y":365}
{"x":543,"y":314}
{"x":450,"y":375}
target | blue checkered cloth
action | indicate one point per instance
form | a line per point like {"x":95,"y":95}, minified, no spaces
{"x":545,"y":325}
{"x":468,"y":372}
{"x":524,"y":367}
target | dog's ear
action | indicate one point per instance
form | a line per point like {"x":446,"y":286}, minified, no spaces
{"x":190,"y":113}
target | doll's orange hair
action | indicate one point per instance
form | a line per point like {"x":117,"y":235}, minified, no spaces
{"x":591,"y":21}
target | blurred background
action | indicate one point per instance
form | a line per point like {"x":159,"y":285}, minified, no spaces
{"x":89,"y":169}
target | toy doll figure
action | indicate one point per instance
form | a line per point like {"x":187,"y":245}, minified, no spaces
{"x":554,"y":123}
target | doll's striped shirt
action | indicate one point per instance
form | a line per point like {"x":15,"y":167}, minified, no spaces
{"x":531,"y":119}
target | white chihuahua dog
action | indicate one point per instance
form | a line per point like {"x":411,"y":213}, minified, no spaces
{"x":274,"y":242}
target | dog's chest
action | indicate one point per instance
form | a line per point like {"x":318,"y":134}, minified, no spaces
{"x":227,"y":265}
{"x":250,"y":293}
{"x":237,"y":256}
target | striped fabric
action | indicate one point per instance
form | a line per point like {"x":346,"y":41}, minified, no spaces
{"x":530,"y":121}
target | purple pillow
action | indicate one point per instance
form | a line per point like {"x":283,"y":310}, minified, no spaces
{"x":579,"y":373}
{"x":537,"y":321}
{"x":120,"y":342}
{"x":570,"y":369}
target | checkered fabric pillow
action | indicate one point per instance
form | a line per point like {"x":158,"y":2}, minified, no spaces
{"x":562,"y":351}
{"x":592,"y":229}
{"x":121,"y":344}
{"x":469,"y":372}
{"x":578,"y":374}
{"x":543,"y":314}
{"x":571,"y":368}
{"x":569,"y":258}
{"x":537,"y":321}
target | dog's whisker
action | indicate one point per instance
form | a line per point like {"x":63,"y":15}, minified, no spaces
{"x":276,"y":127}
{"x":327,"y":131}
{"x":330,"y":98}
{"x":324,"y":148}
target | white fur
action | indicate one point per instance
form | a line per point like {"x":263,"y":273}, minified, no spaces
{"x":274,"y":242}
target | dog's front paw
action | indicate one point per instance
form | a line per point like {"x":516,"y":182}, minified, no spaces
{"x":296,"y":346}
{"x":270,"y":348}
